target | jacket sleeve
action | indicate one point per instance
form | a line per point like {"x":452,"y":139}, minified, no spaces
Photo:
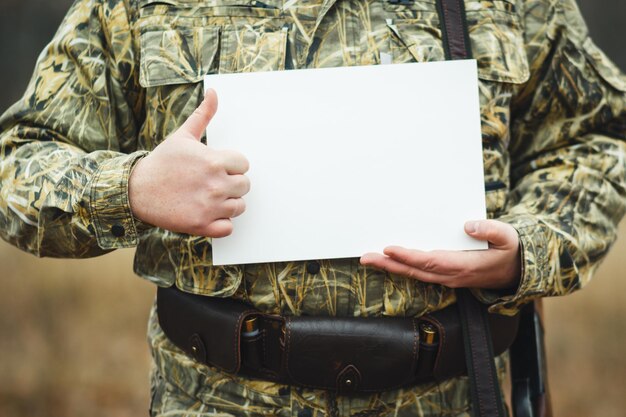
{"x":567,"y":156}
{"x":68,"y":146}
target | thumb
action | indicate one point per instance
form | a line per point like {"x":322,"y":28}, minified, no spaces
{"x":202,"y":115}
{"x":495,"y":232}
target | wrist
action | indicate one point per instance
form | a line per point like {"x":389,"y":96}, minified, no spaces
{"x":135,"y":187}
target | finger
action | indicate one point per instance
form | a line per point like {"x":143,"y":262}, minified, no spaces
{"x":219,"y":228}
{"x":229,"y":208}
{"x":233,"y":162}
{"x":201,"y":116}
{"x":440,"y":262}
{"x":234,"y":207}
{"x":466,"y":266}
{"x":497,"y":233}
{"x":238,"y":186}
{"x":392,"y":266}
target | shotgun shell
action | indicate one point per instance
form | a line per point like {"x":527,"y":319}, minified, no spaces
{"x":428,"y":333}
{"x":250,"y":327}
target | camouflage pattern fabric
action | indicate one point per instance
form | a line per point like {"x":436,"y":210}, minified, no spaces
{"x":120,"y":75}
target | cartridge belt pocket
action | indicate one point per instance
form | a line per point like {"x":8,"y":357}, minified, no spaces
{"x":347,"y":355}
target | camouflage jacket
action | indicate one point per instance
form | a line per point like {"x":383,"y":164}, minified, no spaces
{"x":120,"y":75}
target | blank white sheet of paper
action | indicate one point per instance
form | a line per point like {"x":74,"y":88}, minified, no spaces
{"x":345,"y":161}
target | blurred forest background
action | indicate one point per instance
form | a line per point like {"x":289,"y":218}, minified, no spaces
{"x":72,"y":333}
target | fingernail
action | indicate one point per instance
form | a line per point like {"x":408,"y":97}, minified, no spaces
{"x":472,"y":227}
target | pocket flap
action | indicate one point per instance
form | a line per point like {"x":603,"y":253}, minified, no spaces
{"x":495,"y":34}
{"x":347,"y":355}
{"x":498,"y":46}
{"x":208,"y":329}
{"x":177,"y":56}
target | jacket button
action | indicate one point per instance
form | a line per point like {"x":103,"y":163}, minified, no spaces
{"x":117,"y":230}
{"x":312,"y":267}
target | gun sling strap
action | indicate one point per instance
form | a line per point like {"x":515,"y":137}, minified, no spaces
{"x":484,"y":386}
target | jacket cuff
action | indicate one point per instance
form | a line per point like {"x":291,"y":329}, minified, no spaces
{"x":109,"y":208}
{"x":534,"y":237}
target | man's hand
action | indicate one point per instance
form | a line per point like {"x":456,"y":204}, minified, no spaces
{"x":184,"y":186}
{"x":497,"y":267}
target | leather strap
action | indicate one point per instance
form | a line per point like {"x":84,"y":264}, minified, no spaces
{"x":454,"y":31}
{"x":486,"y":398}
{"x":481,"y":369}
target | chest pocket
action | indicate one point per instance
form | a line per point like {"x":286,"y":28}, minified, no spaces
{"x":181,"y":41}
{"x":495,"y":30}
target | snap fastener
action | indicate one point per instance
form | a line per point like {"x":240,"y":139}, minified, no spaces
{"x":198,"y":352}
{"x":348,"y":379}
{"x":313,"y":267}
{"x":118,"y":230}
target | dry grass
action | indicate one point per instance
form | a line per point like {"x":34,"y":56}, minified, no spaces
{"x":72,"y":339}
{"x":586,"y":343}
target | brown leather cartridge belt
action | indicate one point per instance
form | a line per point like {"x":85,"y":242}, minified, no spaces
{"x":347,"y":355}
